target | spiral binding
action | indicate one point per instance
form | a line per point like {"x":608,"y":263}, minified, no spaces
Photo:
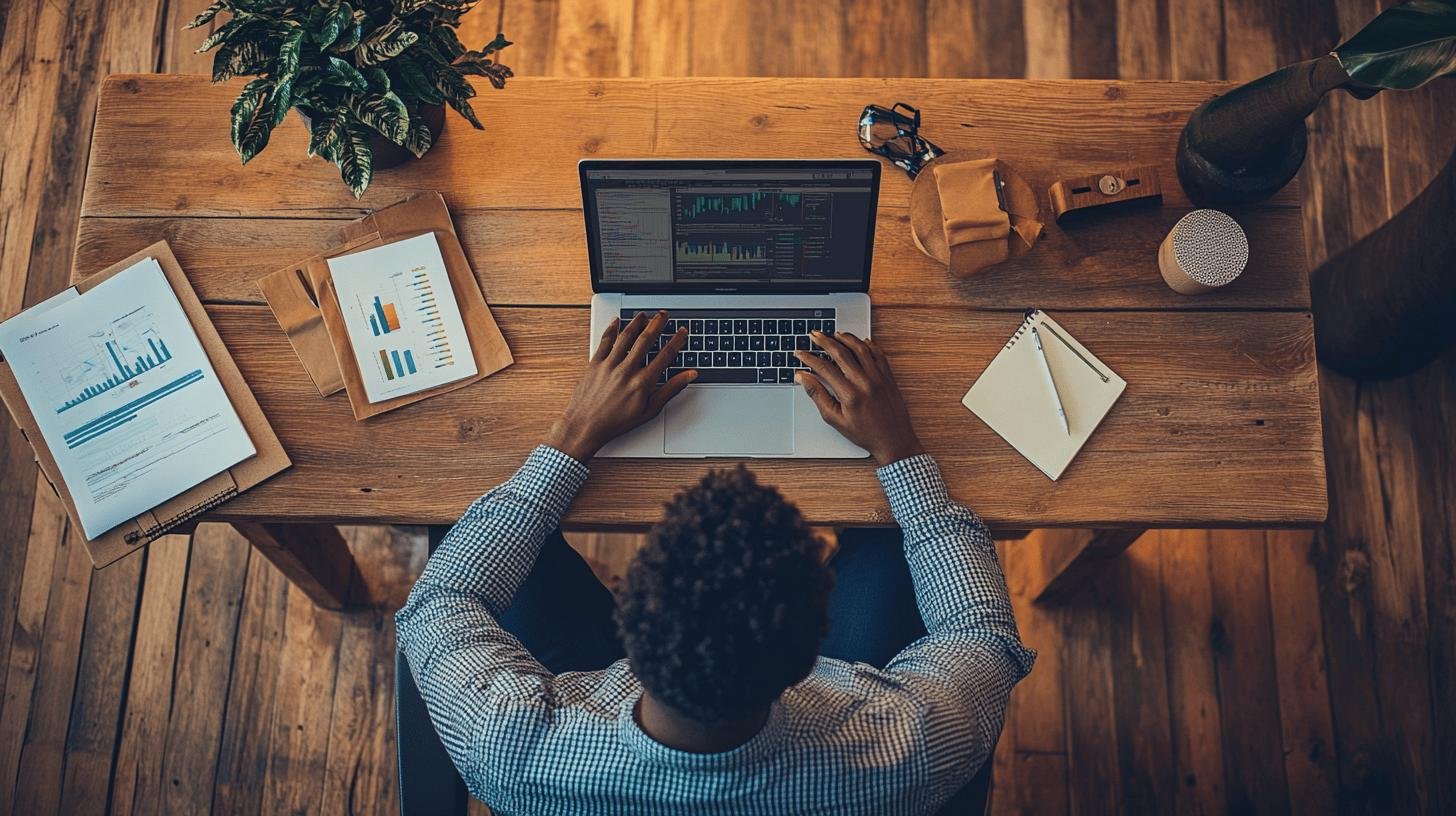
{"x":152,"y":533}
{"x":1025,"y":324}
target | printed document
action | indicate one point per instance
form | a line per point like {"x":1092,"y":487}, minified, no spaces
{"x":124,"y":395}
{"x":403,"y":322}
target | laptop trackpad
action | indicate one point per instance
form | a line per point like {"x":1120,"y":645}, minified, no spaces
{"x":731,"y":420}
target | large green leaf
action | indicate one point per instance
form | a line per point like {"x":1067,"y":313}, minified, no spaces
{"x":356,"y":161}
{"x":240,"y":56}
{"x":333,"y":25}
{"x":389,"y":41}
{"x":463,"y":108}
{"x":347,"y":75}
{"x":412,"y":82}
{"x":208,"y":13}
{"x":328,"y":131}
{"x":1404,"y":47}
{"x":385,"y":113}
{"x":223,"y":32}
{"x":252,"y":116}
{"x":419,"y":136}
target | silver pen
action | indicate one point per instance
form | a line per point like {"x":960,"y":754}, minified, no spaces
{"x":1052,"y":381}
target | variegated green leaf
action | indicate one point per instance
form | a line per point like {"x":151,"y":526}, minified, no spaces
{"x":413,"y":81}
{"x":333,"y":25}
{"x":237,"y":57}
{"x":1404,"y":47}
{"x":463,"y":108}
{"x":356,"y":161}
{"x":378,"y":79}
{"x":223,"y":32}
{"x":385,"y":113}
{"x":347,"y":74}
{"x":208,"y":13}
{"x":449,"y":43}
{"x":420,"y":137}
{"x":327,"y":133}
{"x":252,"y":116}
{"x":389,"y":41}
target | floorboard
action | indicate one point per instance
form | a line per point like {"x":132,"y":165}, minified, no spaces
{"x":1205,"y":672}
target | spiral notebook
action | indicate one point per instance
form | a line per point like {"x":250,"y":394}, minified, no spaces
{"x":1013,"y":396}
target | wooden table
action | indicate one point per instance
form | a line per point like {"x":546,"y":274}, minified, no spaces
{"x":1219,"y":426}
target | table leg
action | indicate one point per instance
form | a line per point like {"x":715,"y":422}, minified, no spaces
{"x":314,"y":557}
{"x":1070,"y":558}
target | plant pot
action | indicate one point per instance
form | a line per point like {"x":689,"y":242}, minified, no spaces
{"x":387,"y":154}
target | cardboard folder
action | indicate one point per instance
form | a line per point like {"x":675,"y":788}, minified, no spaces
{"x":303,"y":300}
{"x":270,"y":459}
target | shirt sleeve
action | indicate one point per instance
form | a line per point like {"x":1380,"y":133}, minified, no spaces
{"x":467,"y":667}
{"x":963,"y":670}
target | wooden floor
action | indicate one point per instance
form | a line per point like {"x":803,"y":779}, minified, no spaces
{"x":1205,"y":672}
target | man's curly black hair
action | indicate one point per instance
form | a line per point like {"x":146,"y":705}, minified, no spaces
{"x":725,"y":606}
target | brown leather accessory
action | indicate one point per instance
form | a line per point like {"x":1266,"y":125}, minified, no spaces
{"x":270,"y":459}
{"x":972,"y":212}
{"x":1133,"y":185}
{"x":302,"y":298}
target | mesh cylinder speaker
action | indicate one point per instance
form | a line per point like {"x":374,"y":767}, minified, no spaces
{"x":1206,"y":249}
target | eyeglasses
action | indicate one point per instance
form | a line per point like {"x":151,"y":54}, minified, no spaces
{"x":894,"y":133}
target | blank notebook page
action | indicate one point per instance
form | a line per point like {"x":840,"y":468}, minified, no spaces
{"x":1014,"y":398}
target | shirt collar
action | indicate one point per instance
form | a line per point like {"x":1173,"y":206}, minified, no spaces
{"x":760,"y":745}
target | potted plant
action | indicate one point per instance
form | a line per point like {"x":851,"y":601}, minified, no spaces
{"x":370,"y":77}
{"x":1247,"y":144}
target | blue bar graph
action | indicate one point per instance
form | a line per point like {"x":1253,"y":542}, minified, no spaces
{"x":409,"y":361}
{"x":126,"y":413}
{"x":374,"y":325}
{"x":394,"y":355}
{"x":124,"y":373}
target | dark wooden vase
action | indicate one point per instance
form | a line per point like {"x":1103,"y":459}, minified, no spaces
{"x":1245,"y":145}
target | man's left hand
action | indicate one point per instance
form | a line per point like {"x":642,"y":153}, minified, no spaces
{"x":617,"y":393}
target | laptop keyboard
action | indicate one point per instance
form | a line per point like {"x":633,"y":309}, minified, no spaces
{"x":746,"y":346}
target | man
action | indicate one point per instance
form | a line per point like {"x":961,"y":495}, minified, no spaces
{"x":722,"y":704}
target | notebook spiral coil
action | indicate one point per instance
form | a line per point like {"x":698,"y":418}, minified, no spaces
{"x":1025,"y":324}
{"x":155,"y":532}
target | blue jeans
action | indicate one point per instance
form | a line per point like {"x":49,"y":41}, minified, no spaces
{"x":563,"y":615}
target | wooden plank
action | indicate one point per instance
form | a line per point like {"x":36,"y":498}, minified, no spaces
{"x":1243,"y":659}
{"x":1143,"y":39}
{"x":43,"y":720}
{"x":1095,"y":778}
{"x":1140,"y":668}
{"x":1048,"y":25}
{"x":1047,"y":130}
{"x":593,"y":39}
{"x":661,"y":31}
{"x":531,"y":258}
{"x":1032,"y":783}
{"x":1299,"y":653}
{"x":1248,"y":431}
{"x":1195,"y":32}
{"x":360,"y":766}
{"x":243,"y":757}
{"x":1094,"y":42}
{"x":975,"y":39}
{"x":314,"y":557}
{"x":774,"y":39}
{"x":137,"y":784}
{"x":880,"y":34}
{"x":96,"y":705}
{"x":1072,"y":558}
{"x":297,"y":750}
{"x":1347,"y":608}
{"x":1193,"y":700}
{"x":211,"y":606}
{"x":1438,"y":532}
{"x":529,"y":24}
{"x":178,"y":51}
{"x":46,"y":560}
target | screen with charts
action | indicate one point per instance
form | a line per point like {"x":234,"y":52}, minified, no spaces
{"x":754,"y":227}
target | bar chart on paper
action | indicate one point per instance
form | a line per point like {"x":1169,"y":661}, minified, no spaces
{"x":403,"y":322}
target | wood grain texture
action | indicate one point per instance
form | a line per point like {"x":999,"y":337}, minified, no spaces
{"x":314,"y":557}
{"x":137,"y":785}
{"x":1249,"y":430}
{"x":1072,"y":558}
{"x":1046,"y":129}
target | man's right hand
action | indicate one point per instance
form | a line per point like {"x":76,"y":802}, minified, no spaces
{"x":865,"y":404}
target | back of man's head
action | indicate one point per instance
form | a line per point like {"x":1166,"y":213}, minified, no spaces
{"x":725,"y":606}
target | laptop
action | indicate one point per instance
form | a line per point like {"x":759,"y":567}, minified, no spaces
{"x":751,"y":255}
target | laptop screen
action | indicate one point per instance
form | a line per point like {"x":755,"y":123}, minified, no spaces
{"x":730,"y":226}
